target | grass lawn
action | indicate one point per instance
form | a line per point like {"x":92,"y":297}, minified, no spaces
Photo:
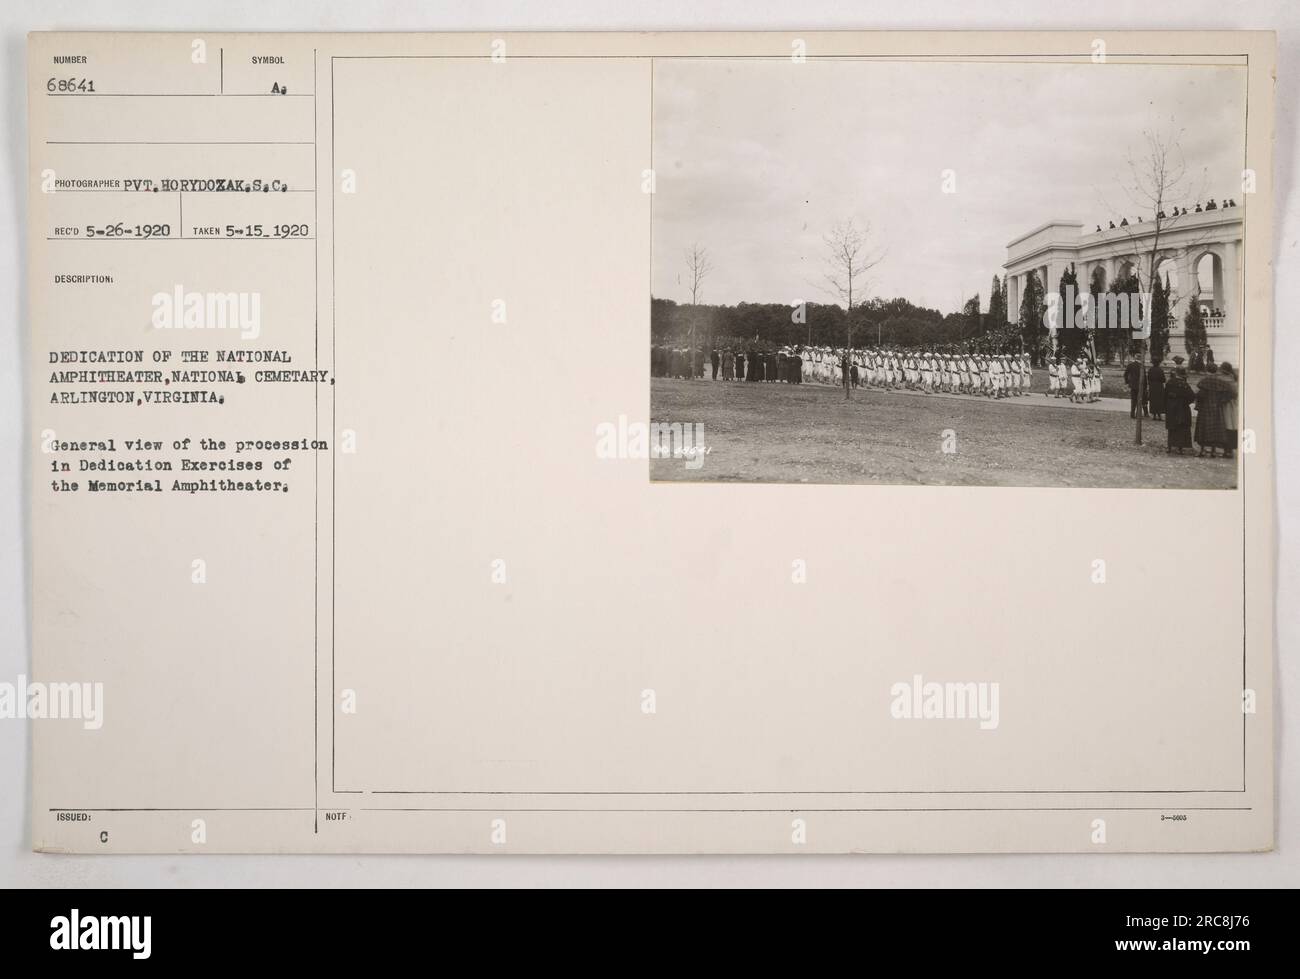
{"x":1112,"y":380}
{"x":808,"y":433}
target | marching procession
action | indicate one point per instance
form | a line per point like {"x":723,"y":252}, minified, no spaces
{"x":887,"y":368}
{"x":978,"y":374}
{"x":1079,"y":381}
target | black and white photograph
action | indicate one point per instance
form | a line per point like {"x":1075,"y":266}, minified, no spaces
{"x":1001,"y":272}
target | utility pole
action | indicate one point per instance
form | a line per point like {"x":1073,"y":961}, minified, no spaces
{"x":1142,"y":387}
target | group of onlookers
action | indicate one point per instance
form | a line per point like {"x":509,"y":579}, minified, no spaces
{"x":1170,"y":398}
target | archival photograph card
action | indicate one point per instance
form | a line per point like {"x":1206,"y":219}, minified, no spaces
{"x":359,"y":524}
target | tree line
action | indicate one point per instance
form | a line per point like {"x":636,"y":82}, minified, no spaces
{"x":761,"y":326}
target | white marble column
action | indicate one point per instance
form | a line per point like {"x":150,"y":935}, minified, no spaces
{"x":1187,"y":286}
{"x":1084,"y":273}
{"x":1085,"y":281}
{"x":1231,"y":285}
{"x":1232,"y":319}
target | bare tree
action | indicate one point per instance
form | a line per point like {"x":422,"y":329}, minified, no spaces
{"x":849,"y":257}
{"x":698,"y":267}
{"x":1158,"y":186}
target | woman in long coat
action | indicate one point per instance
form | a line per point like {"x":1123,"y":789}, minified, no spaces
{"x":1211,"y":394}
{"x":1178,"y":411}
{"x":1156,"y":390}
{"x":1229,"y":411}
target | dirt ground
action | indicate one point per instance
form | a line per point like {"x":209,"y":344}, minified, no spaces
{"x":809,"y":434}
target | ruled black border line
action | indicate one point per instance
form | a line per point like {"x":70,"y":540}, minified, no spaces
{"x":180,"y":142}
{"x":1062,"y":59}
{"x":798,"y":809}
{"x":184,"y":809}
{"x":1012,"y":59}
{"x":315,"y":569}
{"x":670,"y":811}
{"x":315,"y":807}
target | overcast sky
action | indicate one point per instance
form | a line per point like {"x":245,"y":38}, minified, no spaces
{"x":757,"y":160}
